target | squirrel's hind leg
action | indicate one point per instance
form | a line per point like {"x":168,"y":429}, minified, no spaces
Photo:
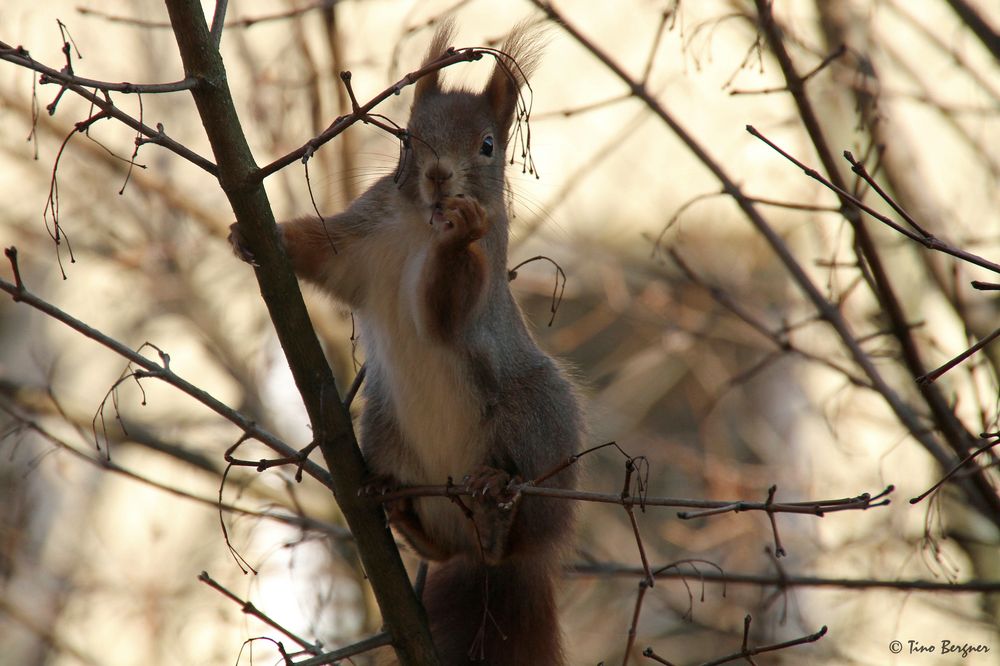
{"x":403,"y":517}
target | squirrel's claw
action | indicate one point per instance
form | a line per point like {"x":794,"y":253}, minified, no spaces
{"x":378,"y":484}
{"x":238,"y":243}
{"x":461,"y":219}
{"x":490,"y":483}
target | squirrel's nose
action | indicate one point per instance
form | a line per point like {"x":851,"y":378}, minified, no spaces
{"x":438,"y":174}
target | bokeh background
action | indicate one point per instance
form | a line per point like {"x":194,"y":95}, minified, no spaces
{"x":693,"y":346}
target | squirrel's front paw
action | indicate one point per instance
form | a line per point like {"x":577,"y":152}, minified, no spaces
{"x":460,"y":219}
{"x":378,"y":484}
{"x":238,"y":243}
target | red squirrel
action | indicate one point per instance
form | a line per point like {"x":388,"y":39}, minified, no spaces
{"x":456,"y":388}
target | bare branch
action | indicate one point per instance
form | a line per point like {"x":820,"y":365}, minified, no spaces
{"x":954,"y":433}
{"x":232,"y":23}
{"x":336,"y":656}
{"x":715,"y":507}
{"x":969,"y":458}
{"x":361,"y":113}
{"x":558,"y":289}
{"x":20,"y":57}
{"x":314,"y":648}
{"x":934,"y":375}
{"x":241,"y":181}
{"x":826,"y":310}
{"x":644,"y":585}
{"x":805,"y":77}
{"x":920,"y":236}
{"x":590,"y":569}
{"x":101,"y":462}
{"x":746,"y":652}
{"x":978,"y":25}
{"x":153,"y":369}
{"x":218,"y":21}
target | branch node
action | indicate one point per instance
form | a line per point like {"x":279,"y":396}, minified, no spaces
{"x":11,"y":253}
{"x":345,"y":76}
{"x":155,"y":138}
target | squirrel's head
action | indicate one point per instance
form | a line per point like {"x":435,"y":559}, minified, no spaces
{"x":458,"y":138}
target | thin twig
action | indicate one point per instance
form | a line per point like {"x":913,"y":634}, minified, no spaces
{"x":247,"y":22}
{"x":746,"y":652}
{"x":572,"y":460}
{"x":668,"y":14}
{"x":608,"y":570}
{"x":558,"y":289}
{"x":813,"y":508}
{"x":352,"y":392}
{"x":859,"y":169}
{"x":21,"y":57}
{"x":218,"y":21}
{"x":368,"y":644}
{"x":630,"y":468}
{"x":826,"y":310}
{"x":649,"y":653}
{"x":298,"y":521}
{"x":969,"y":458}
{"x":248,"y":608}
{"x":953,"y":432}
{"x":361,"y":112}
{"x":644,"y":585}
{"x":934,"y":375}
{"x":805,"y":77}
{"x":20,"y":293}
{"x":583,"y":108}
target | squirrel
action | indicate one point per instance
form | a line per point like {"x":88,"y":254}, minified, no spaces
{"x":456,"y":388}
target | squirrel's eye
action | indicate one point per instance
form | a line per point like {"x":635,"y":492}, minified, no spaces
{"x":487,"y":147}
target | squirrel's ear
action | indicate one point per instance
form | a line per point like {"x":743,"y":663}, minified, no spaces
{"x":517,"y":60}
{"x":430,"y":83}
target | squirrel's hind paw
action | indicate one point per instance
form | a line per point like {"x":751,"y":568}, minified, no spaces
{"x":494,"y":508}
{"x":489,"y":484}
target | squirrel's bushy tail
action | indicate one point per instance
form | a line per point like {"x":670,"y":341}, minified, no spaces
{"x":515,"y":621}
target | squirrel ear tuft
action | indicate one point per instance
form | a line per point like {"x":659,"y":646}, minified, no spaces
{"x":517,"y":60}
{"x":439,"y":46}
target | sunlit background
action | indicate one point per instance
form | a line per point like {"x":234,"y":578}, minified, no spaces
{"x":668,"y":287}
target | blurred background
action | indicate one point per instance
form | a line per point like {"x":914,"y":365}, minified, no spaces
{"x":693,"y":343}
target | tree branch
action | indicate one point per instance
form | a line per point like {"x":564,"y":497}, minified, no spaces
{"x":954,"y":432}
{"x":978,"y":25}
{"x":20,"y":57}
{"x":825,"y":309}
{"x":360,"y":113}
{"x":152,"y":369}
{"x":241,"y":180}
{"x":709,"y":507}
{"x":605,"y":570}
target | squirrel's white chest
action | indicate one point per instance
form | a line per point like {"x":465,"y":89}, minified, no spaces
{"x":430,"y":386}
